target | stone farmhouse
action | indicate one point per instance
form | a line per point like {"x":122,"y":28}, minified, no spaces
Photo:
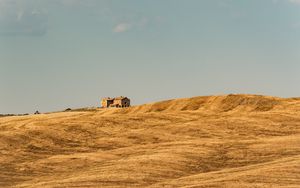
{"x":117,"y":102}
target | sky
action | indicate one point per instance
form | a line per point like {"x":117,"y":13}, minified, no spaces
{"x":58,"y":54}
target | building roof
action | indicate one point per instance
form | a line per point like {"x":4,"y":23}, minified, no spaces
{"x":116,"y":98}
{"x":107,"y":98}
{"x":120,"y":98}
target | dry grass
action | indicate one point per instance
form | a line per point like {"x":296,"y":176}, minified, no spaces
{"x":213,"y":141}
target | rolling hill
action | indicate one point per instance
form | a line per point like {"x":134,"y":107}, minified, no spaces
{"x":210,"y":141}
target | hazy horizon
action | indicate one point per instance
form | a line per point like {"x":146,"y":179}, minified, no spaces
{"x":56,"y":54}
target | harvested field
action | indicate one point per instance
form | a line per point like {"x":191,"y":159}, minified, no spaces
{"x":212,"y":141}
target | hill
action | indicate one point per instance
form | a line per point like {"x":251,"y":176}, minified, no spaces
{"x":211,"y":141}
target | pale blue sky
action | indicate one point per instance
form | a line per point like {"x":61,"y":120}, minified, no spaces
{"x":56,"y":54}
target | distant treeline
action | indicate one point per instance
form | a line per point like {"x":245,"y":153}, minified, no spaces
{"x":6,"y":115}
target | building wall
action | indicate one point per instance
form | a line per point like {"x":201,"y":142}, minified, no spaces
{"x":122,"y":102}
{"x":106,"y":103}
{"x":126,"y":102}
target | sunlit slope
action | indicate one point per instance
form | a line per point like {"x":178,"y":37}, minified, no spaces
{"x":213,"y":141}
{"x":216,"y":104}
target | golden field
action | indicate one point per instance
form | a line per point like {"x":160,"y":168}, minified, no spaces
{"x":213,"y":141}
